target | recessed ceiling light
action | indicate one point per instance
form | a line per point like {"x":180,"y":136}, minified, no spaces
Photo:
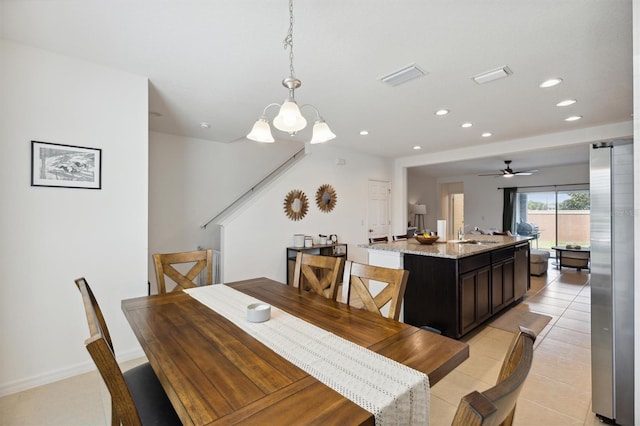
{"x":573,"y":118}
{"x":442,"y":112}
{"x":486,"y":134}
{"x":566,"y":102}
{"x":466,"y":125}
{"x":364,"y":132}
{"x":417,"y":147}
{"x":205,"y":125}
{"x":550,"y":83}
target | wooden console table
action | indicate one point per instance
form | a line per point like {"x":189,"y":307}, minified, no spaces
{"x":335,"y":250}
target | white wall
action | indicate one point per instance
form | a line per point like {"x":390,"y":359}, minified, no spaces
{"x":421,"y":189}
{"x":191,"y":180}
{"x":483,"y":200}
{"x":255,"y":238}
{"x":50,"y":236}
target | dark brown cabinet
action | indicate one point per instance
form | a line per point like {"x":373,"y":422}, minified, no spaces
{"x":521,"y":270}
{"x":502,"y":268}
{"x":457,"y":295}
{"x":474,"y":298}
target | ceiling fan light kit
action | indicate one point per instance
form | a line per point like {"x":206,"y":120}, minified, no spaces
{"x":289,"y":118}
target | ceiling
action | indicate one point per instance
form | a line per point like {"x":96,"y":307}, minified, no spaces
{"x":222,"y":62}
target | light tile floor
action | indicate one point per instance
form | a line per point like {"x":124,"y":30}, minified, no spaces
{"x":558,"y":388}
{"x":557,"y":391}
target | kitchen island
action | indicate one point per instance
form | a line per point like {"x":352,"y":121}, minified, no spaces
{"x":455,"y":286}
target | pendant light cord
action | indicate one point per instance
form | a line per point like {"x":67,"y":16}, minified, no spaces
{"x":288,"y":40}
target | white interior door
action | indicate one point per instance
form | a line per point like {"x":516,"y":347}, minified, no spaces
{"x":378,"y":212}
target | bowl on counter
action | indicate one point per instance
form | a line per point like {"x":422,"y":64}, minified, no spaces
{"x":426,"y":240}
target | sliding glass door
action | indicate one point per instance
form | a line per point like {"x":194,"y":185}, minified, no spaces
{"x":553,"y":217}
{"x":573,"y":216}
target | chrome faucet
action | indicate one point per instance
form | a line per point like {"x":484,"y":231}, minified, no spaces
{"x":461,"y":231}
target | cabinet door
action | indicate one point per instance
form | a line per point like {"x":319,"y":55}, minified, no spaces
{"x":507,"y":282}
{"x":483,"y":303}
{"x":475,"y":298}
{"x":521,"y":271}
{"x":497,"y":292}
{"x":502,"y":292}
{"x":467,"y":301}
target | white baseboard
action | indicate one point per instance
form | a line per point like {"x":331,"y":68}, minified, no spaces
{"x":60,"y":374}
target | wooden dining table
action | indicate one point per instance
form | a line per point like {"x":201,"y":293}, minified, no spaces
{"x":214,"y":373}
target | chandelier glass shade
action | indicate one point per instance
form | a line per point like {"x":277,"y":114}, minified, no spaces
{"x":289,"y":118}
{"x":261,"y":131}
{"x":321,"y":132}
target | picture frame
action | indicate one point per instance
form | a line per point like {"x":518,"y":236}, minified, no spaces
{"x":65,"y":166}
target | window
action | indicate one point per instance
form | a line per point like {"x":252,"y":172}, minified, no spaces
{"x":555,"y":217}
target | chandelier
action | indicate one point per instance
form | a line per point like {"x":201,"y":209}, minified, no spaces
{"x":289,"y":118}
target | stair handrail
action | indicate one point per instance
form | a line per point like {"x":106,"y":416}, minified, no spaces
{"x":260,"y":183}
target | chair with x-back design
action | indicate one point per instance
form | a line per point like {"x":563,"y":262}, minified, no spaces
{"x":318,"y":274}
{"x":164,"y":266}
{"x":358,"y":276}
{"x":137,"y":397}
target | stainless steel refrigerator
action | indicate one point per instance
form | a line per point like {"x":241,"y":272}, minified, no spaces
{"x":612,"y":371}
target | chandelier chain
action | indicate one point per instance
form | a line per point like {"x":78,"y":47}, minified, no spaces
{"x":288,"y":40}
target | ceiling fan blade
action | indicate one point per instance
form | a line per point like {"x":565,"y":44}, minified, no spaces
{"x":492,"y":174}
{"x":526,"y":172}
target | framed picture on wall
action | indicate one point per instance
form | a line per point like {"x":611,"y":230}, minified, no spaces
{"x":65,"y":166}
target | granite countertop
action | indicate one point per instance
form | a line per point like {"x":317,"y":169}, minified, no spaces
{"x":450,"y":249}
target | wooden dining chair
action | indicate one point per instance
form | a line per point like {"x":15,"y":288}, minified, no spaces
{"x":164,"y":266}
{"x":497,"y":405}
{"x":137,"y":397}
{"x":358,"y":275}
{"x":373,"y":240}
{"x":318,"y":274}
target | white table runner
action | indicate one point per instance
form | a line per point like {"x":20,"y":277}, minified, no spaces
{"x":394,"y":393}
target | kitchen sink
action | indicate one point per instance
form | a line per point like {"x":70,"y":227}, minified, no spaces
{"x":478,"y":242}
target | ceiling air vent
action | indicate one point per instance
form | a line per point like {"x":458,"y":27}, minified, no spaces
{"x":407,"y":73}
{"x":492,"y":75}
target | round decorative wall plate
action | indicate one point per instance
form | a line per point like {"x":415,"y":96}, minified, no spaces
{"x":296,"y":204}
{"x":326,"y":198}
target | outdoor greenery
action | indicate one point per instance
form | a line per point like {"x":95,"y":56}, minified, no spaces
{"x":576,"y":201}
{"x":537,"y":205}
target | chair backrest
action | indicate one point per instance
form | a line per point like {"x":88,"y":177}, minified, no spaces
{"x":164,"y":266}
{"x":378,"y":240}
{"x":318,"y":274}
{"x":400,"y":237}
{"x":497,"y":405}
{"x":358,"y":276}
{"x":101,"y":350}
{"x":97,"y":322}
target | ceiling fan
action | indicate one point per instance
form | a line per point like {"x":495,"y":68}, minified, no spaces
{"x":508,"y":172}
